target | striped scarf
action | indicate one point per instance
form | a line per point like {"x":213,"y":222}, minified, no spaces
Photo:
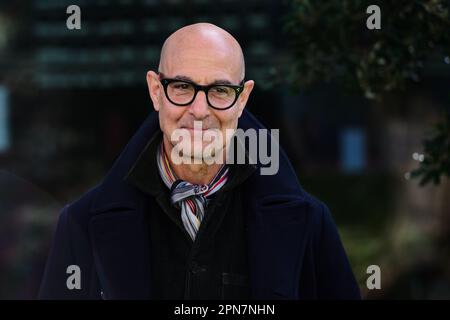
{"x":191,"y":198}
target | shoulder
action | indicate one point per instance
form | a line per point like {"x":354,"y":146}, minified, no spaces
{"x":79,"y":210}
{"x":321,"y":213}
{"x":283,"y":186}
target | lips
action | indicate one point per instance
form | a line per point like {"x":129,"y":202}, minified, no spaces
{"x":196,"y":129}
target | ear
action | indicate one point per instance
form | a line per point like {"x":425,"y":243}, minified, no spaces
{"x":154,"y":88}
{"x":243,"y":98}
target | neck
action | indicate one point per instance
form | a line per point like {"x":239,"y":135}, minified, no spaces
{"x":201,"y":173}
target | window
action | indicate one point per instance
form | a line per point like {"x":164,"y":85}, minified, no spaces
{"x":4,"y":122}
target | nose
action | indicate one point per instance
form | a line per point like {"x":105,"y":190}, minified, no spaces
{"x":199,"y":107}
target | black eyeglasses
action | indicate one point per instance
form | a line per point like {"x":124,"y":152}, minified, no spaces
{"x":183,"y":92}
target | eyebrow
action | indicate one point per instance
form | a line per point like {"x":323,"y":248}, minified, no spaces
{"x":217,"y":81}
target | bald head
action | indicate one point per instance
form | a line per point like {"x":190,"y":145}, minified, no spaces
{"x":206,"y":55}
{"x":203,"y":45}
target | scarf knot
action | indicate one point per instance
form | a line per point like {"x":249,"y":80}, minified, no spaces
{"x":192,"y":199}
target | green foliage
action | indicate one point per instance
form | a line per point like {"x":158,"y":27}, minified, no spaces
{"x":330,"y":41}
{"x":436,"y":161}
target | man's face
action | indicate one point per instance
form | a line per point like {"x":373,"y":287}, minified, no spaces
{"x":203,"y":65}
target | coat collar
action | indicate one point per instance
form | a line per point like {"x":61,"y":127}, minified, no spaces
{"x":278,"y":223}
{"x":144,"y":174}
{"x":118,"y":233}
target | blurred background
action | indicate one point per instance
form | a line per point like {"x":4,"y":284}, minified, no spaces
{"x":363,"y":115}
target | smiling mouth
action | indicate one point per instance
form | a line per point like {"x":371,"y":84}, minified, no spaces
{"x":197,"y":129}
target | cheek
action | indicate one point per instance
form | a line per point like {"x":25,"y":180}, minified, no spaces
{"x":169,"y":117}
{"x":228,"y":118}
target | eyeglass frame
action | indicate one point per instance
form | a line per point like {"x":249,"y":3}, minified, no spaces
{"x":238,"y":89}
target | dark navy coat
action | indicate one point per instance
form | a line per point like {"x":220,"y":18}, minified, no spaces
{"x":294,"y":248}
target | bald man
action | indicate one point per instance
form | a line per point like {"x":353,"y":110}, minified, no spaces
{"x":169,"y":223}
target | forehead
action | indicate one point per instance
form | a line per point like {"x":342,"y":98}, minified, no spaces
{"x":202,"y":63}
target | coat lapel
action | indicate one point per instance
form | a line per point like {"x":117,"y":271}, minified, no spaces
{"x":279,"y":223}
{"x":121,"y":252}
{"x":277,"y":238}
{"x":277,"y":230}
{"x":118,"y":229}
